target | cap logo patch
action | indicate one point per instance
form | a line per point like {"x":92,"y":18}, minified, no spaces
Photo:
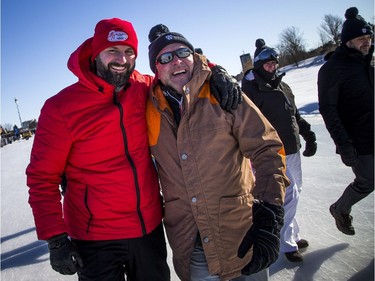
{"x":169,"y":37}
{"x":116,"y":36}
{"x":364,"y":30}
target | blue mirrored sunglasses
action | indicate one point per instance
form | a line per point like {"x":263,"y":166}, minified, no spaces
{"x":267,"y":54}
{"x":167,"y":57}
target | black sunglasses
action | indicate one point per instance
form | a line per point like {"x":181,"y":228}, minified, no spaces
{"x":168,"y":56}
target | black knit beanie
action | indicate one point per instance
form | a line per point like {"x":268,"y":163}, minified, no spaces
{"x":159,"y":37}
{"x":259,"y":44}
{"x":354,"y":26}
{"x":198,"y":51}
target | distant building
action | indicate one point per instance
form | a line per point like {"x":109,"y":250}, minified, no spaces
{"x":29,"y":124}
{"x":246,"y":62}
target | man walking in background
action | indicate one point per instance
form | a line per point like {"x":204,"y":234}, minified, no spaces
{"x":346,"y":103}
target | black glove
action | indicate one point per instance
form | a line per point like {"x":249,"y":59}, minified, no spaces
{"x":311,"y":145}
{"x":225,"y":88}
{"x":63,"y":255}
{"x":263,"y":236}
{"x":348,"y":154}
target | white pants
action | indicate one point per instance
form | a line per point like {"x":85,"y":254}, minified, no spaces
{"x":289,"y":235}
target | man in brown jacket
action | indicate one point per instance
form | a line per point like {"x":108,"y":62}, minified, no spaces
{"x":220,"y":224}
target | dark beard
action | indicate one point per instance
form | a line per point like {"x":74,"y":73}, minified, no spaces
{"x":118,"y":80}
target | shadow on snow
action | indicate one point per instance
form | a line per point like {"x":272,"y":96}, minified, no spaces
{"x":25,"y":255}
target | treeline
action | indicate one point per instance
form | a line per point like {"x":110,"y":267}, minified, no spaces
{"x":292,"y":46}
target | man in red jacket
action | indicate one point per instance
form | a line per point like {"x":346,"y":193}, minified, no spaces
{"x":93,"y":135}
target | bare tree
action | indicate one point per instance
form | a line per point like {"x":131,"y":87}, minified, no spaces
{"x":292,"y":45}
{"x":7,"y":126}
{"x":330,"y":29}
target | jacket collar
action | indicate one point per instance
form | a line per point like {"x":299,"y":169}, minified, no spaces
{"x":264,"y":85}
{"x":201,"y":73}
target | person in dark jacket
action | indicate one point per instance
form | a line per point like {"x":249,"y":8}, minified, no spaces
{"x":92,"y":138}
{"x":275,"y":99}
{"x":346,"y":103}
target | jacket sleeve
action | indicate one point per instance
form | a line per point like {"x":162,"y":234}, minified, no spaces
{"x":246,"y":86}
{"x":259,"y":142}
{"x":328,"y":95}
{"x":305,"y":128}
{"x":44,"y":172}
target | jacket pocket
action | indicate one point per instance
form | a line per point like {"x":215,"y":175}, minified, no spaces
{"x":76,"y":208}
{"x":180,"y":226}
{"x":235,"y":219}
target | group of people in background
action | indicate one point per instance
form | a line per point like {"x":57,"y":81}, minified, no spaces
{"x":220,"y":168}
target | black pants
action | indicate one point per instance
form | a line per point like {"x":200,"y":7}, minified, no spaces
{"x":140,"y":259}
{"x":361,"y":187}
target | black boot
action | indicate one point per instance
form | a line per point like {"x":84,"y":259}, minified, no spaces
{"x":343,"y":221}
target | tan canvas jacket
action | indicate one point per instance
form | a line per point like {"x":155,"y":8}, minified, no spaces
{"x":206,"y":177}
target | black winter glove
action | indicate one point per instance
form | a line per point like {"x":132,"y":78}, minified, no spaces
{"x":225,"y":88}
{"x":310,"y":149}
{"x":311,"y":145}
{"x":263,"y":236}
{"x":348,"y":154}
{"x":63,"y":255}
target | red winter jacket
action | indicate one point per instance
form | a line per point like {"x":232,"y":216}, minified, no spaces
{"x":99,"y":140}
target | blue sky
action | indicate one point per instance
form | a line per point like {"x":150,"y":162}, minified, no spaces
{"x":37,"y":37}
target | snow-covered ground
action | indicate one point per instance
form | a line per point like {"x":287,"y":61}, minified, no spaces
{"x":331,"y":255}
